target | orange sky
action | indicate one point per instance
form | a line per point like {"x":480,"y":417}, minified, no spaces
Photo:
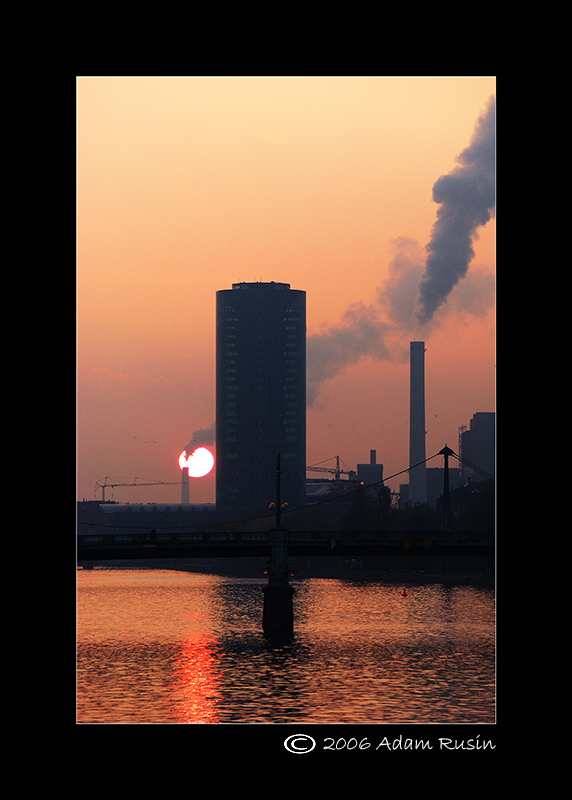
{"x":187,"y":185}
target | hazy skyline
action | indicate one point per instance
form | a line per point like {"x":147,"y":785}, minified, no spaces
{"x":340,"y":187}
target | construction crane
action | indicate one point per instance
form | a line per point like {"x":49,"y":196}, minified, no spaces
{"x":129,"y":482}
{"x":335,"y":472}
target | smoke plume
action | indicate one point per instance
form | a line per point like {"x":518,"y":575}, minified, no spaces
{"x":203,"y":436}
{"x":467,"y":198}
{"x":419,"y":283}
{"x":362,"y":333}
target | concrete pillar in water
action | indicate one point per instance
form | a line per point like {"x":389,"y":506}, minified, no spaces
{"x":278,"y":612}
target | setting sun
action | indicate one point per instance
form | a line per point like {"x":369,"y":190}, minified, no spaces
{"x":199,"y":463}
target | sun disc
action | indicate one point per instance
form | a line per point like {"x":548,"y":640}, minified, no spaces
{"x":200,"y":462}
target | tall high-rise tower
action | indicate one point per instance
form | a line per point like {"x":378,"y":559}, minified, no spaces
{"x":417,"y":476}
{"x":260,"y":397}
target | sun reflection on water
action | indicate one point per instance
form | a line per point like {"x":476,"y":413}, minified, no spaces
{"x":158,"y":646}
{"x":196,"y":676}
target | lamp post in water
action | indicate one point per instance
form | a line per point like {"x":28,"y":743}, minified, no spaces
{"x":278,"y":614}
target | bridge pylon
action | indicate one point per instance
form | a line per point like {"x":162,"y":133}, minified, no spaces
{"x":446,"y":452}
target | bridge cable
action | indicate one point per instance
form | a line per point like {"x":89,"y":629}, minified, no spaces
{"x":474,"y":467}
{"x":267,"y":516}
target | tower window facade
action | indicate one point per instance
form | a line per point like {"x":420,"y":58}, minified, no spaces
{"x":260,"y":397}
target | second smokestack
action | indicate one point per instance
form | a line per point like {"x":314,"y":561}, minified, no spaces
{"x":418,"y":475}
{"x":184,"y":486}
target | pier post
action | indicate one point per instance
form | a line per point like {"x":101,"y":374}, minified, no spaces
{"x":278,"y":612}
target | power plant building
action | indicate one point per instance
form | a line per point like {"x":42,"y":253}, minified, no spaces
{"x":478,"y":447}
{"x":260,"y":397}
{"x":371,"y":473}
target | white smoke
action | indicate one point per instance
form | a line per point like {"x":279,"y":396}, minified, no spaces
{"x":466,"y":197}
{"x":419,"y":285}
{"x":362,"y":333}
{"x":202,"y":436}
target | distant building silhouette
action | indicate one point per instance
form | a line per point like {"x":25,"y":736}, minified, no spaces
{"x":260,"y":397}
{"x":478,"y":447}
{"x":372,"y":472}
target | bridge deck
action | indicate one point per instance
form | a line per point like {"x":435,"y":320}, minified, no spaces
{"x":110,"y":545}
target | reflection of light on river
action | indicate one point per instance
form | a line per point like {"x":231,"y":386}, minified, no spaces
{"x":158,"y":646}
{"x":196,"y":677}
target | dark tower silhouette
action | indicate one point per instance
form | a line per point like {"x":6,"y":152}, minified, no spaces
{"x":260,"y":397}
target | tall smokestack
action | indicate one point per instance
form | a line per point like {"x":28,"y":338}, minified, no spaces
{"x":417,"y":476}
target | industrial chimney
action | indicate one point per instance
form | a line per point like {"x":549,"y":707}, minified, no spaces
{"x":184,"y":486}
{"x":418,"y":475}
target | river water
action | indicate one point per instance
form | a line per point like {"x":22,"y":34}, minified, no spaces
{"x":161,"y":646}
